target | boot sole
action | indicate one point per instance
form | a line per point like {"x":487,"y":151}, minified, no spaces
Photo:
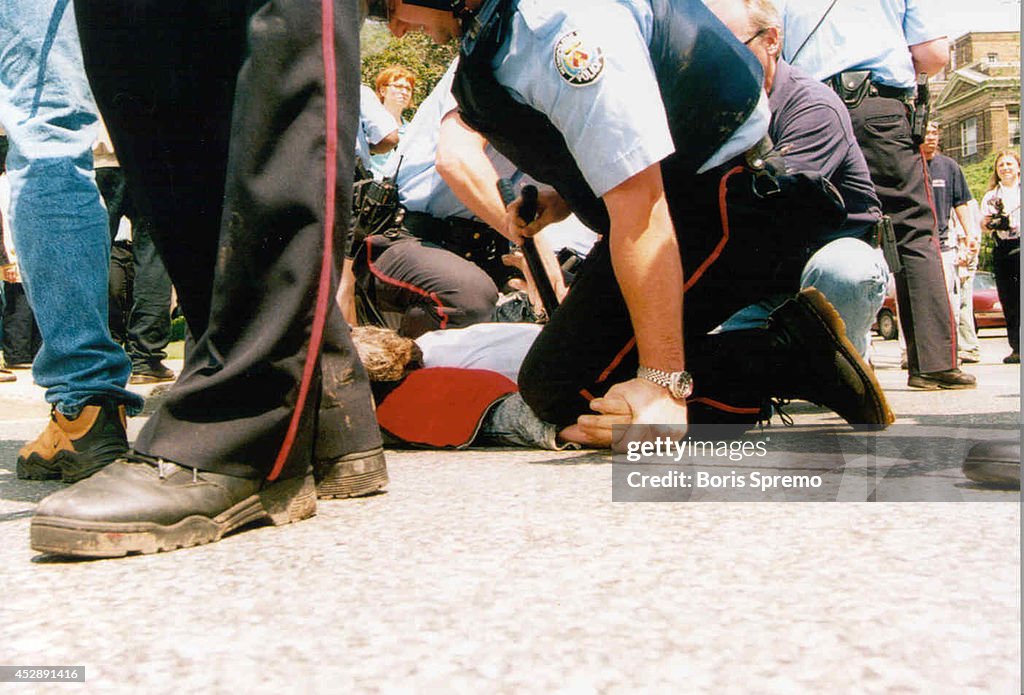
{"x":995,"y":473}
{"x":928,"y":385}
{"x":833,"y":323}
{"x":280,"y":503}
{"x":355,"y":475}
{"x":35,"y":467}
{"x":67,"y":466}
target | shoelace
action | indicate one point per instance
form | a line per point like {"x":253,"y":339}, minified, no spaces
{"x":164,"y":468}
{"x":776,"y":407}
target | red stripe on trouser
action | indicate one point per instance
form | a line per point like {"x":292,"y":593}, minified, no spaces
{"x":707,"y":263}
{"x":938,"y":249}
{"x":323,"y":295}
{"x":432,"y":296}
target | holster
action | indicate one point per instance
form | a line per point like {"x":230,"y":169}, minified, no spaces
{"x":851,"y":86}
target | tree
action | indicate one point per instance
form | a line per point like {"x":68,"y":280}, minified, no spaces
{"x":414,"y":51}
{"x":977,"y":176}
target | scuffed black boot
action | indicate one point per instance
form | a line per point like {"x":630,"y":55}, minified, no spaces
{"x":139,"y":504}
{"x":811,"y":359}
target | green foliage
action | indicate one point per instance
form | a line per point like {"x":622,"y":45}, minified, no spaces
{"x":977,"y":176}
{"x":414,"y":51}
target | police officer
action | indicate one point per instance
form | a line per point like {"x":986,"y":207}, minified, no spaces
{"x":604,"y":106}
{"x":378,"y":129}
{"x":893,"y":40}
{"x":443,"y":268}
{"x":238,"y":132}
{"x":811,"y":127}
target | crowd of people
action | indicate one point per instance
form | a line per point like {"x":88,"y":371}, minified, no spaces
{"x":286,"y":202}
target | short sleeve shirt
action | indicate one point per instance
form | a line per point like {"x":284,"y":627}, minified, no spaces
{"x":586,"y":65}
{"x":420,"y":186}
{"x":949,"y":189}
{"x":858,"y":35}
{"x":375,"y":123}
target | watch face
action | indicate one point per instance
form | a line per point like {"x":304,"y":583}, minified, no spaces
{"x":680,"y":385}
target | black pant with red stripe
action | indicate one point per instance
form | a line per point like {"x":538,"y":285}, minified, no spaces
{"x":234,"y":122}
{"x":416,"y":286}
{"x":900,"y":175}
{"x":728,"y":262}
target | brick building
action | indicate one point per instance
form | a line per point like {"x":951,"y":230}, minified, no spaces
{"x":977,"y":97}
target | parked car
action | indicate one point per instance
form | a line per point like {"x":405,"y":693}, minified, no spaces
{"x":988,"y":312}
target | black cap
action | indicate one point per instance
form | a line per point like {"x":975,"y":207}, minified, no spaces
{"x":378,"y":9}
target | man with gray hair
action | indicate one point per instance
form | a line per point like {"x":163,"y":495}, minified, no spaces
{"x":810,"y":126}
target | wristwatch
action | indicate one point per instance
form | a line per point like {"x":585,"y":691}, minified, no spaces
{"x":679,"y":384}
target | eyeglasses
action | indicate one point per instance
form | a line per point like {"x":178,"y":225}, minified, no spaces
{"x":403,"y":86}
{"x":759,"y":34}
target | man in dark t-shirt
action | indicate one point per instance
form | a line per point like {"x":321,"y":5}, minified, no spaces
{"x":949,"y":187}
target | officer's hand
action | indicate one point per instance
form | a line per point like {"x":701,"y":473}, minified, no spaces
{"x":642,"y":406}
{"x":551,"y":208}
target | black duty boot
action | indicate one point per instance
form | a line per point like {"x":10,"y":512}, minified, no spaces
{"x":811,"y":359}
{"x":73,"y":449}
{"x":142,"y":505}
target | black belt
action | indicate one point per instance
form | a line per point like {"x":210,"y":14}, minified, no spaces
{"x":470,"y":239}
{"x":904,"y":94}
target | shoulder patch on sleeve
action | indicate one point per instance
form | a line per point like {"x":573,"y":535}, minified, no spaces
{"x":578,"y":61}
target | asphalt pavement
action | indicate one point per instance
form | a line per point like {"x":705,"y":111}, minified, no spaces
{"x":514,"y":571}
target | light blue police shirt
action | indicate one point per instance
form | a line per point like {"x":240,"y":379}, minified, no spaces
{"x":857,"y":35}
{"x":375,"y":123}
{"x":586,"y":65}
{"x":420,"y":187}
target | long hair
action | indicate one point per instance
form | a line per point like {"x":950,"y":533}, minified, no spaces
{"x":993,"y":180}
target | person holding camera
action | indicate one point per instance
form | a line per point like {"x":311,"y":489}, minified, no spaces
{"x":1001,"y":210}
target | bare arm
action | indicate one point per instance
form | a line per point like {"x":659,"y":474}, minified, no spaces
{"x":930,"y":56}
{"x":386,"y":143}
{"x":645,"y":257}
{"x":463,"y":163}
{"x":346,"y":297}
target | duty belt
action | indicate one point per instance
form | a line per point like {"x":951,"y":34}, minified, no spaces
{"x":904,"y":94}
{"x":475,"y":241}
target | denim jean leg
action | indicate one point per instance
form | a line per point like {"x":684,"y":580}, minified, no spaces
{"x":59,"y":224}
{"x":853,"y":276}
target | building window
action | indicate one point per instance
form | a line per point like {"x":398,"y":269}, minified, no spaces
{"x":992,"y":58}
{"x":969,"y":137}
{"x":1014,"y":127}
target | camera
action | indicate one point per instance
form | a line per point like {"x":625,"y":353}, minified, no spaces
{"x":999,"y":221}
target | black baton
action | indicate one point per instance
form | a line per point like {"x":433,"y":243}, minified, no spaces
{"x":527,"y":211}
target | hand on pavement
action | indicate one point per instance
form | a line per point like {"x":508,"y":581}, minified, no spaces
{"x":638,"y":403}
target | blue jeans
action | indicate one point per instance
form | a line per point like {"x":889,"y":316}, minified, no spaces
{"x":852,"y":276}
{"x":58,"y":223}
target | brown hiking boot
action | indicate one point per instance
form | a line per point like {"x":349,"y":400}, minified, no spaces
{"x":75,"y":449}
{"x":814,"y":361}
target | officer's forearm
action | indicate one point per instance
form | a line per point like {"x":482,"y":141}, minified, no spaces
{"x":931,"y":56}
{"x":463,"y":163}
{"x":645,"y":256}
